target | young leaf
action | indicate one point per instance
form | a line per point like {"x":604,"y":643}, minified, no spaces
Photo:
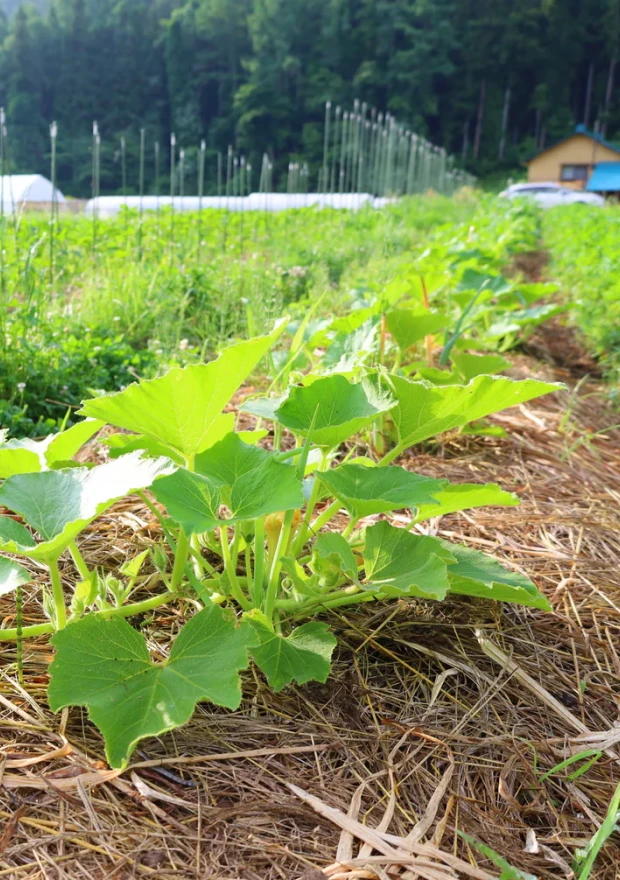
{"x":105,"y":666}
{"x":476,"y":574}
{"x":181,"y":408}
{"x":64,"y":446}
{"x":249,"y":480}
{"x":12,"y":531}
{"x":31,"y":456}
{"x":21,"y":457}
{"x":463,"y":496}
{"x":408,"y":326}
{"x":59,"y":504}
{"x":12,"y":576}
{"x":303,"y":656}
{"x":424,"y":410}
{"x":364,"y":491}
{"x":332,"y":557}
{"x":471,"y":365}
{"x":192,"y":500}
{"x":399,"y":563}
{"x":337,"y":407}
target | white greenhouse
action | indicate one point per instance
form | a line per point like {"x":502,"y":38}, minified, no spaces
{"x":20,"y":192}
{"x":108,"y":206}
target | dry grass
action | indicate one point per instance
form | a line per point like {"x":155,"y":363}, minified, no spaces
{"x":439,"y":718}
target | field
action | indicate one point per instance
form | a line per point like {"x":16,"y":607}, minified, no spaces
{"x":309,"y":533}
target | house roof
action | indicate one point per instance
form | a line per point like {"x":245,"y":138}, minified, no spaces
{"x":605,"y":177}
{"x":579,"y":129}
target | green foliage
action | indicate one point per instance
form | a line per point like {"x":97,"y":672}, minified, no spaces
{"x":46,"y":371}
{"x":585,"y":249}
{"x":105,"y":665}
{"x":270,"y":562}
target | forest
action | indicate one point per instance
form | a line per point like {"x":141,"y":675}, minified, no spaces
{"x":491,"y":80}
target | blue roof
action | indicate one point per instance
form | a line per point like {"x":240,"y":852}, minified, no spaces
{"x":605,"y":177}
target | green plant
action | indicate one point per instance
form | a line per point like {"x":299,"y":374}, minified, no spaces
{"x":246,"y":527}
{"x":585,"y":858}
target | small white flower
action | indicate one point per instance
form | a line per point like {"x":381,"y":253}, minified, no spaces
{"x":116,"y":318}
{"x":183,"y":344}
{"x":21,"y":387}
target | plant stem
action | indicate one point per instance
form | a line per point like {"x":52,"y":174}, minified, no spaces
{"x":180,"y":559}
{"x":59,"y":599}
{"x":78,"y":559}
{"x":325,"y":517}
{"x":39,"y":629}
{"x":352,"y":523}
{"x":329,"y":600}
{"x":235,"y":587}
{"x":259,"y":562}
{"x":276,"y":564}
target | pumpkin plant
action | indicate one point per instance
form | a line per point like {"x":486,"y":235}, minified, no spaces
{"x":260,"y":540}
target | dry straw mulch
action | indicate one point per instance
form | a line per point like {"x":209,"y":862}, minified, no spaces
{"x":438,"y":719}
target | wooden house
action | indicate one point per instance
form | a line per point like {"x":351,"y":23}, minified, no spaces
{"x":572,"y":161}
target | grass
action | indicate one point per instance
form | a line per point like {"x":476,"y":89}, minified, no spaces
{"x":144,"y":292}
{"x":584,"y":243}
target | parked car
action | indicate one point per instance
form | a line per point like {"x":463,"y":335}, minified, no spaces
{"x":548,"y":195}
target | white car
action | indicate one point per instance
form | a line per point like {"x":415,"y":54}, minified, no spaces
{"x":548,"y":195}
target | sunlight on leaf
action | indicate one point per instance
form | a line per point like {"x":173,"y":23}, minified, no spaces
{"x":181,"y":408}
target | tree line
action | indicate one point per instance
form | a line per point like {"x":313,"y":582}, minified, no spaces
{"x":490,"y":80}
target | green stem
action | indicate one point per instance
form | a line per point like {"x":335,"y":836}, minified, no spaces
{"x":39,"y":629}
{"x":259,"y":562}
{"x":352,"y":523}
{"x":138,"y":607}
{"x":336,"y":602}
{"x":276,"y":564}
{"x":391,"y":455}
{"x":325,"y":517}
{"x":59,"y":599}
{"x":78,"y":559}
{"x":304,"y":528}
{"x":235,"y":587}
{"x":178,"y":569}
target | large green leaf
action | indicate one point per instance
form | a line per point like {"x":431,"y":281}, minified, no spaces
{"x":476,"y":574}
{"x":408,"y":326}
{"x":399,"y":563}
{"x":105,"y":666}
{"x":12,"y":576}
{"x":334,"y":407}
{"x":180,"y":408}
{"x":425,"y":410}
{"x":31,"y":456}
{"x":304,"y":655}
{"x":248,"y":480}
{"x":367,"y":490}
{"x":59,"y":504}
{"x":463,"y":496}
